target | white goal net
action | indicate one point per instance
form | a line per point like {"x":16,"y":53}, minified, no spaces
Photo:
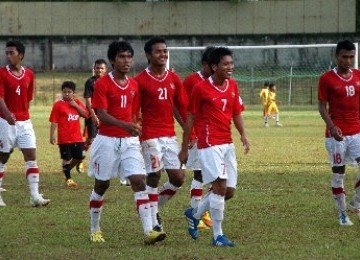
{"x":295,"y":69}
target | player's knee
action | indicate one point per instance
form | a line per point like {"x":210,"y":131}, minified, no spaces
{"x":198,"y":175}
{"x":230,"y":192}
{"x":4,"y":157}
{"x":176,"y":177}
{"x":101,"y":186}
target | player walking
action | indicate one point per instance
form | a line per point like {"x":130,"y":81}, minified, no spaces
{"x":196,"y":188}
{"x":16,"y":93}
{"x":214,"y":103}
{"x":116,"y":151}
{"x":339,"y":94}
{"x":161,"y":93}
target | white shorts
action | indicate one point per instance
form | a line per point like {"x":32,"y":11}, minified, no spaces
{"x":219,"y":161}
{"x":193,"y":162}
{"x":20,"y":135}
{"x":112,"y":157}
{"x":161,"y":153}
{"x":344,"y":152}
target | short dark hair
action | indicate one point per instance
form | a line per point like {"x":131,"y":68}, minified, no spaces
{"x":217,"y":54}
{"x":148,"y":45}
{"x":18,"y":45}
{"x":118,"y":46}
{"x":99,"y":62}
{"x":344,"y":45}
{"x":271,"y":84}
{"x":68,"y":84}
{"x":266,"y":84}
{"x":205,"y":56}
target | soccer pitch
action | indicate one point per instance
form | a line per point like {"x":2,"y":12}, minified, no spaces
{"x":283,"y":208}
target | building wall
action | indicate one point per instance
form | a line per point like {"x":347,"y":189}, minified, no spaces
{"x":177,"y":18}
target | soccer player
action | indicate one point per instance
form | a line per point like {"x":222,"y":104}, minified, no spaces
{"x":92,"y":122}
{"x":214,"y":103}
{"x":196,"y":188}
{"x":264,"y":96}
{"x":16,"y":93}
{"x":116,"y":150}
{"x":65,"y":117}
{"x":162,"y":92}
{"x":271,"y":106}
{"x":339,"y":94}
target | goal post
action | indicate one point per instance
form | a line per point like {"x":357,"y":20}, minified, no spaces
{"x":295,"y":69}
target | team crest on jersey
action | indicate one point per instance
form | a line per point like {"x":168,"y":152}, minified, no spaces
{"x":232,"y":94}
{"x":132,"y":93}
{"x":357,"y":83}
{"x":172,"y":85}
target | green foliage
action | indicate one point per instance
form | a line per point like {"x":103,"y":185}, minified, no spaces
{"x":283,"y":207}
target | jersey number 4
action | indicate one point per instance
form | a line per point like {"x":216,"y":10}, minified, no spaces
{"x":18,"y":90}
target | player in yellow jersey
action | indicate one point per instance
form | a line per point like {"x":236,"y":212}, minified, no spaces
{"x":263,"y":96}
{"x":271,"y":106}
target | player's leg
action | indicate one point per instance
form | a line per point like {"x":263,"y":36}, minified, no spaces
{"x":152,"y":154}
{"x":103,"y":166}
{"x":267,"y":112}
{"x":26,"y":142}
{"x":354,"y":152}
{"x":66,"y":156}
{"x":172,"y":166}
{"x":7,"y":137}
{"x":336,"y":151}
{"x":132,"y":168}
{"x":277,"y":115}
{"x":96,"y":206}
{"x":4,"y":157}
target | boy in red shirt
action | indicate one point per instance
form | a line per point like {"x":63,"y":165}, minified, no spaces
{"x":65,"y":116}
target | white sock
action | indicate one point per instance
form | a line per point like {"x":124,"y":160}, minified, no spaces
{"x":277,"y":118}
{"x":204,"y":206}
{"x":32,"y":175}
{"x":166,"y":192}
{"x":337,"y":185}
{"x":217,"y":206}
{"x":144,"y":210}
{"x":195,"y":193}
{"x":96,"y":205}
{"x":153,"y":198}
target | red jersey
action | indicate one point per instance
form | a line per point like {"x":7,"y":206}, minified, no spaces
{"x":191,"y":80}
{"x":67,"y":119}
{"x":214,"y":109}
{"x":159,"y":97}
{"x":189,"y":83}
{"x":121,"y":102}
{"x":342,"y":95}
{"x":17,"y":91}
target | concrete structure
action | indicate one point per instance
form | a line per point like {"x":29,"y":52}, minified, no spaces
{"x":177,"y":18}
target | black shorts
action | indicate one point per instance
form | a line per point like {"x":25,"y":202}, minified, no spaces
{"x":90,"y":128}
{"x":72,"y":151}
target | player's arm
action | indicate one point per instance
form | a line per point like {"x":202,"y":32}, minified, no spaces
{"x":93,"y":115}
{"x":53,"y":127}
{"x":80,"y":108}
{"x":334,"y":130}
{"x":239,"y":124}
{"x":188,"y":126}
{"x":130,"y":127}
{"x":9,"y":117}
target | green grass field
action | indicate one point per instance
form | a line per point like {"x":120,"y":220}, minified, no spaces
{"x":283,"y":208}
